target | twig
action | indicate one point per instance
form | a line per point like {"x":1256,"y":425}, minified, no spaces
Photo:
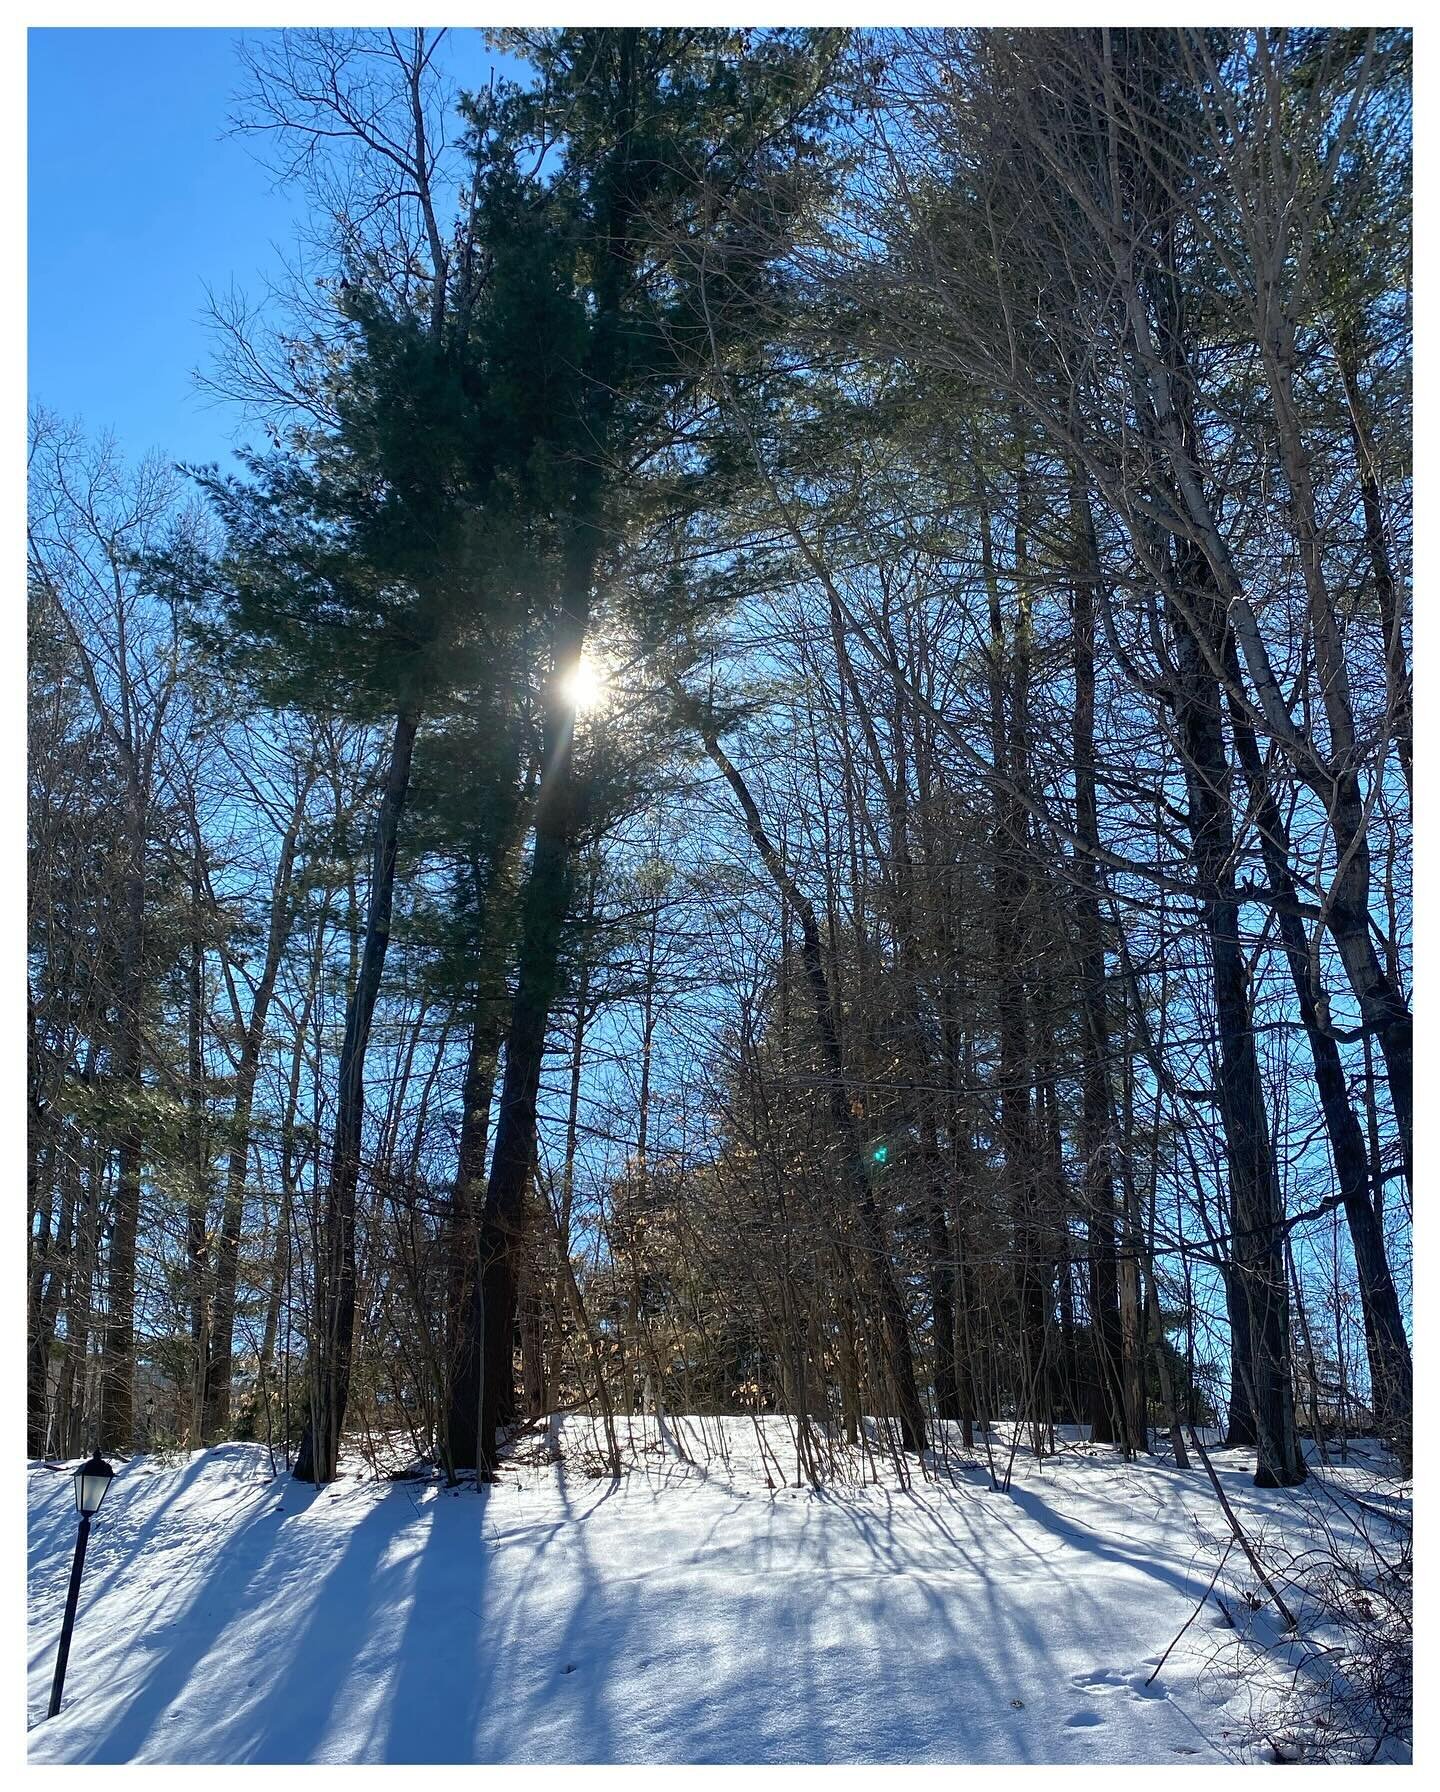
{"x":1197,"y":1611}
{"x":1240,"y":1537}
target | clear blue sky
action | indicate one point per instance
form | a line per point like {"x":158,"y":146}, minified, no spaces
{"x":137,"y":200}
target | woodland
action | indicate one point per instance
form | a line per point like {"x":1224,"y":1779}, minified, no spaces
{"x":779,"y":785}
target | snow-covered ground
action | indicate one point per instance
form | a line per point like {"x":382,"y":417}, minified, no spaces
{"x":686,"y":1613}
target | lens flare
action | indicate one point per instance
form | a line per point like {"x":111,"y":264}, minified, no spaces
{"x":585,"y":689}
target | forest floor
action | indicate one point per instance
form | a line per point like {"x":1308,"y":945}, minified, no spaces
{"x":699,"y":1609}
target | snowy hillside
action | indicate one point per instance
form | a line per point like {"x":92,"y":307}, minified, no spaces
{"x":689,"y":1613}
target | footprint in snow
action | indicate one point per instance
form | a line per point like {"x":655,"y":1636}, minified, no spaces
{"x":1098,"y":1680}
{"x":1108,"y":1680}
{"x":1083,"y":1720}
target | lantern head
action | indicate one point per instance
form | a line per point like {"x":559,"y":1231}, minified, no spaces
{"x":92,"y":1483}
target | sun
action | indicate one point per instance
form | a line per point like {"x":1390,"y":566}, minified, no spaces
{"x":586,"y":688}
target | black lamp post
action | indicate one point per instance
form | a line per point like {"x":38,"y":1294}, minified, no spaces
{"x":92,"y":1483}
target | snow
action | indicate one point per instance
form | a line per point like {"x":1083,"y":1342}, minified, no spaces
{"x":686,"y":1613}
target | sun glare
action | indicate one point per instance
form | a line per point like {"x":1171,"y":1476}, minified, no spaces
{"x":586,"y":687}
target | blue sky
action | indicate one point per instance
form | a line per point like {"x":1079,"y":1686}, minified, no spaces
{"x":137,"y":200}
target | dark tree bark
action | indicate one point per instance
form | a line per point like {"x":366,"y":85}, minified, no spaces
{"x":1397,"y":668}
{"x":464,"y":1328}
{"x":1008,"y":748}
{"x":220,"y":1354}
{"x":47,"y":1284}
{"x":334,"y":1334}
{"x":942,"y":1278}
{"x":117,"y":1393}
{"x":1385,"y":1340}
{"x":197,"y":1238}
{"x":1261,"y":1336}
{"x":1347,"y":902}
{"x":1108,"y":1417}
{"x":546,"y":904}
{"x":1240,"y":1433}
{"x":1200,"y":583}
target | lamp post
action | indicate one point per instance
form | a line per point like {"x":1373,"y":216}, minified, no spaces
{"x":92,"y":1483}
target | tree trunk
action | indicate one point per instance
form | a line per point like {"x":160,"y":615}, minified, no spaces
{"x":117,"y":1387}
{"x":1347,"y":904}
{"x":1385,"y":1339}
{"x":1008,"y":748}
{"x":220,"y":1356}
{"x":1257,"y":1275}
{"x":47,"y":1287}
{"x":1202,"y":593}
{"x":1108,"y":1413}
{"x":545,"y":907}
{"x":1397,"y":669}
{"x":467,"y":1200}
{"x":198,"y":1208}
{"x":333,"y":1340}
{"x":942,"y":1289}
